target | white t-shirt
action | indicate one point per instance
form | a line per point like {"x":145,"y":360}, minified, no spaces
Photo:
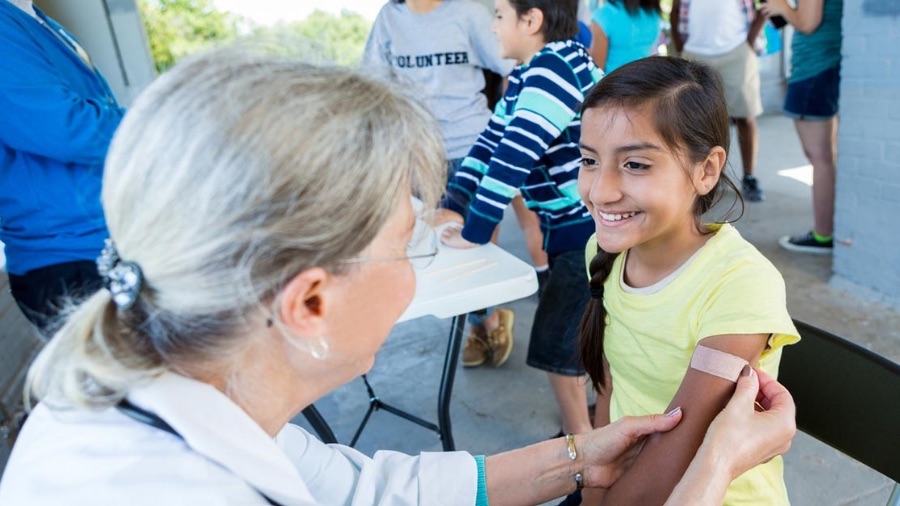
{"x":715,"y":27}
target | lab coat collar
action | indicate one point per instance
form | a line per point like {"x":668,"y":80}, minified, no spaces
{"x":217,"y":428}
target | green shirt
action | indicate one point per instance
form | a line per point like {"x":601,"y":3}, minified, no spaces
{"x":820,"y":50}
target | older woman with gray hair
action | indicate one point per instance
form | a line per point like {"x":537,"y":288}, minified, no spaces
{"x":260,"y":211}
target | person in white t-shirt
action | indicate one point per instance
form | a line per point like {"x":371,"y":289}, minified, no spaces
{"x":722,"y":34}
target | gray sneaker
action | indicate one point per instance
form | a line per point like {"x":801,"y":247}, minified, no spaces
{"x":750,"y":189}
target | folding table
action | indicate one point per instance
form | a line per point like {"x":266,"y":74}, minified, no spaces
{"x":456,"y":283}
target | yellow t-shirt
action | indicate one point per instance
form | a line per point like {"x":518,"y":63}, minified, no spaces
{"x":727,"y":287}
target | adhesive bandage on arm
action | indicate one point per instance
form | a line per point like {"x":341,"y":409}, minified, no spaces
{"x":718,"y":363}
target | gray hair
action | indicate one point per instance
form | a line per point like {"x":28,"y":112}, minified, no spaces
{"x":233,"y":172}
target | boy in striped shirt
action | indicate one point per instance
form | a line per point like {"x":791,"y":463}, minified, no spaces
{"x":530,"y":145}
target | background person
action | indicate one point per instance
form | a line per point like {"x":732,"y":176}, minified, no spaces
{"x":624,"y":31}
{"x":812,"y":100}
{"x":723,"y":34}
{"x":441,"y":48}
{"x":59,"y":115}
{"x":531,"y":145}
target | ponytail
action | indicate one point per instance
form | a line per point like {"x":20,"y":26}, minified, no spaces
{"x":593,"y":322}
{"x":92,"y":361}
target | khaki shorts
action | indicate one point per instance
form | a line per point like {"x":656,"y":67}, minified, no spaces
{"x":740,"y":76}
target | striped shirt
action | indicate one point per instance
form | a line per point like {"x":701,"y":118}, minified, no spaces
{"x":531,"y":145}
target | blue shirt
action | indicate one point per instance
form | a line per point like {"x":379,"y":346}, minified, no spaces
{"x":531,"y":145}
{"x":58,"y":117}
{"x":631,"y":36}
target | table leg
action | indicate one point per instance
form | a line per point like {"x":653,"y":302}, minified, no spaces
{"x":451,"y":360}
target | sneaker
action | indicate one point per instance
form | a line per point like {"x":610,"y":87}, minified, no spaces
{"x":806,"y":243}
{"x":751,"y":190}
{"x":475,"y":352}
{"x":500,"y":340}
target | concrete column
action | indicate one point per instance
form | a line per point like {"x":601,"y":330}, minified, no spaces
{"x":867,"y":207}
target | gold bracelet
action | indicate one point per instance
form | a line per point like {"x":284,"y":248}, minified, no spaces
{"x":573,"y":454}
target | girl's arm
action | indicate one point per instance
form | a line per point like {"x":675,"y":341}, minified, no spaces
{"x":600,"y":46}
{"x":665,"y":457}
{"x":739,"y":439}
{"x":805,"y":18}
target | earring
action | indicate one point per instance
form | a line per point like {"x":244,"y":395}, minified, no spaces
{"x":318,"y":348}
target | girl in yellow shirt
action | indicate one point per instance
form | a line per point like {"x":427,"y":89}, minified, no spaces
{"x":654,"y":141}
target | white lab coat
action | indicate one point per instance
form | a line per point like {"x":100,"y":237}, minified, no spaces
{"x":105,"y":458}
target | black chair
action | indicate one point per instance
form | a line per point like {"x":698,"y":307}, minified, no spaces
{"x":847,"y":397}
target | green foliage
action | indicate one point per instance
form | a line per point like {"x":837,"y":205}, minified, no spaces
{"x":179,"y":28}
{"x":324,"y":36}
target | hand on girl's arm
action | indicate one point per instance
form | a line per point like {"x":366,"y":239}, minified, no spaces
{"x":739,"y":439}
{"x":544,"y":471}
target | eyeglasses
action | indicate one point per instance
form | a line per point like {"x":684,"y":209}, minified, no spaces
{"x":421,"y":250}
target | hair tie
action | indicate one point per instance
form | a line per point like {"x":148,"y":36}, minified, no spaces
{"x":122,"y":278}
{"x":597,"y":292}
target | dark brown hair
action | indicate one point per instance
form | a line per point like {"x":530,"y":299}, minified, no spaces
{"x":632,"y":6}
{"x":560,"y":16}
{"x":688,"y":104}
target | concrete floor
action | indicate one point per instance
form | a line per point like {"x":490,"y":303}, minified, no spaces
{"x":499,"y":409}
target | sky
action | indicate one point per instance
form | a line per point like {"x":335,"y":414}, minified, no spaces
{"x":268,"y":12}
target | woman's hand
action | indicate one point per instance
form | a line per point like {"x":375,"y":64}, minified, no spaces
{"x":774,"y":8}
{"x":747,"y":435}
{"x":452,"y":236}
{"x":609,"y":450}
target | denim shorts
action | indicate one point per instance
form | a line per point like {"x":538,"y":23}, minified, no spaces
{"x":814,"y":99}
{"x":554,"y":334}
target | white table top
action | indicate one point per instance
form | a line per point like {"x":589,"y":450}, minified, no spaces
{"x":460,"y":281}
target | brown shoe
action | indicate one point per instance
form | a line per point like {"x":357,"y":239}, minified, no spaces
{"x":475,"y":352}
{"x":500,"y":340}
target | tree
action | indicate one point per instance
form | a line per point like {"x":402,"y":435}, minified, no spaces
{"x":324,"y":36}
{"x":179,"y":28}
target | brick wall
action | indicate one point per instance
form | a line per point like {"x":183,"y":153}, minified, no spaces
{"x":867,"y":210}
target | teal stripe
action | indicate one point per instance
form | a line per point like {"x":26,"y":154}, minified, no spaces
{"x":492,"y":219}
{"x":475,"y":164}
{"x":555,"y":205}
{"x":498,"y":187}
{"x":481,"y":497}
{"x":534,"y":102}
{"x":570,"y":190}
